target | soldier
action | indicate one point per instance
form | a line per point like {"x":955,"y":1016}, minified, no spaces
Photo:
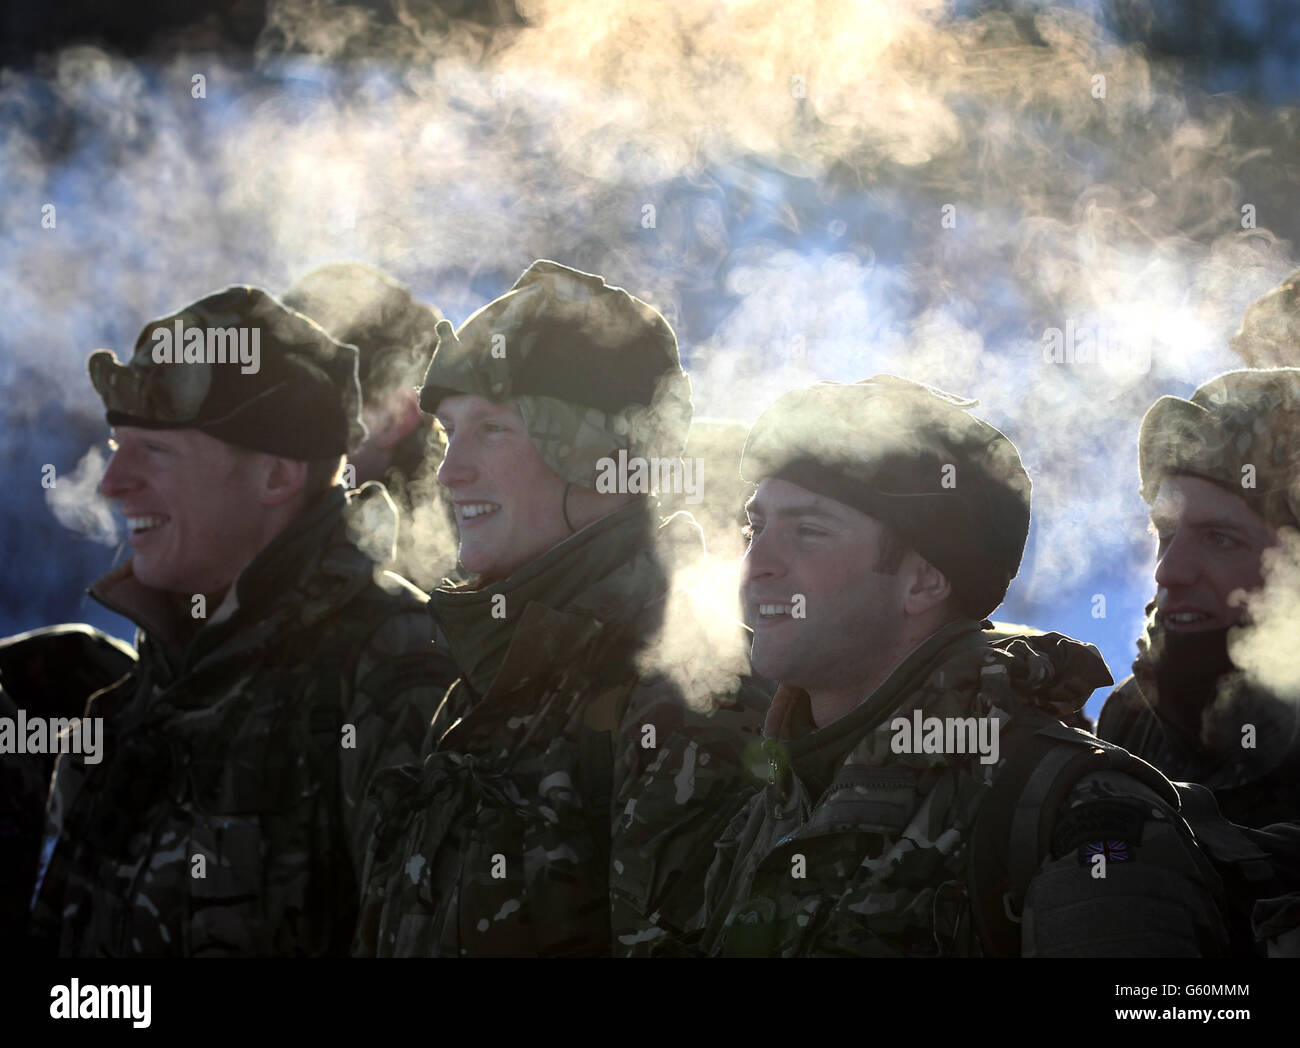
{"x":529,"y":828}
{"x":886,"y":526}
{"x":394,"y":334}
{"x":1221,"y":473}
{"x":277,"y":667}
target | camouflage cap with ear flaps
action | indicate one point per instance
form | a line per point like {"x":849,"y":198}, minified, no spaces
{"x":592,"y":369}
{"x":1241,"y":431}
{"x":297,"y":396}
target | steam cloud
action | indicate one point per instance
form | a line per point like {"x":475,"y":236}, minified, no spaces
{"x":1266,"y":648}
{"x":798,"y":159}
{"x":77,"y":503}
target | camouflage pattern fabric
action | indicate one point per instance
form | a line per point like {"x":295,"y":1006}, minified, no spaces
{"x":592,"y":369}
{"x":299,"y":397}
{"x":572,"y":438}
{"x":855,"y":850}
{"x":1240,"y":430}
{"x":573,"y":804}
{"x":1005,"y":630}
{"x":227,"y":815}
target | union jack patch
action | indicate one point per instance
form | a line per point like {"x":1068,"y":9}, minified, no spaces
{"x":1114,"y":851}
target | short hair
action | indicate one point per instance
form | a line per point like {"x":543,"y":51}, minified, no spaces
{"x":892,"y":550}
{"x":889,"y":559}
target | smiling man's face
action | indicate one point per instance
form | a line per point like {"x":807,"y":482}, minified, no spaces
{"x":810,"y":546}
{"x":191,"y":505}
{"x":1211,"y":542}
{"x":508,"y":502}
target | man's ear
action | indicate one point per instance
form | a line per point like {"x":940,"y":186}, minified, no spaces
{"x":927,"y":586}
{"x":280,"y":479}
{"x":395,"y":420}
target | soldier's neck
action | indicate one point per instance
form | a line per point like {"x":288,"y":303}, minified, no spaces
{"x":182,"y":619}
{"x":828,"y":705}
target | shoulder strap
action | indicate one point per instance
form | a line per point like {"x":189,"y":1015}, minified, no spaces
{"x":1014,"y":825}
{"x":596,"y":759}
{"x":1008,"y":812}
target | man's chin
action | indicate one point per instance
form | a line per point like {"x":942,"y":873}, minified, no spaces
{"x":771,"y":662}
{"x":477,"y":562}
{"x":148,"y":573}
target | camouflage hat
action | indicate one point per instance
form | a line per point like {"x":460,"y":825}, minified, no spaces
{"x":240,"y":367}
{"x":914,"y":458}
{"x":393,"y":331}
{"x":1240,"y":430}
{"x":1270,"y":330}
{"x":592,"y":369}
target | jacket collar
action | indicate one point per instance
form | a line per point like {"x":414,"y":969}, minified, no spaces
{"x":605,"y":573}
{"x":944,"y":676}
{"x":306,"y":571}
{"x":790,"y":718}
{"x":547,"y":639}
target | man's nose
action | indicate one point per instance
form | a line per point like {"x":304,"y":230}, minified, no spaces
{"x":1178,"y":565}
{"x":120,"y":477}
{"x":764,"y":559}
{"x":457,"y":466}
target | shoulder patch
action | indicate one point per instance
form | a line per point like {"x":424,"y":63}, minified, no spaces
{"x":1101,"y":823}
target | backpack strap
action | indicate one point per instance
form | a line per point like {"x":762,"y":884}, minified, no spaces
{"x":1014,"y":826}
{"x":1008,"y":813}
{"x":596,"y":758}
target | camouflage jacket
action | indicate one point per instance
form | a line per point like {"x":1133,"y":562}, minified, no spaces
{"x":857,"y":849}
{"x":226,"y":816}
{"x":571,"y":804}
{"x":1248,"y":752}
